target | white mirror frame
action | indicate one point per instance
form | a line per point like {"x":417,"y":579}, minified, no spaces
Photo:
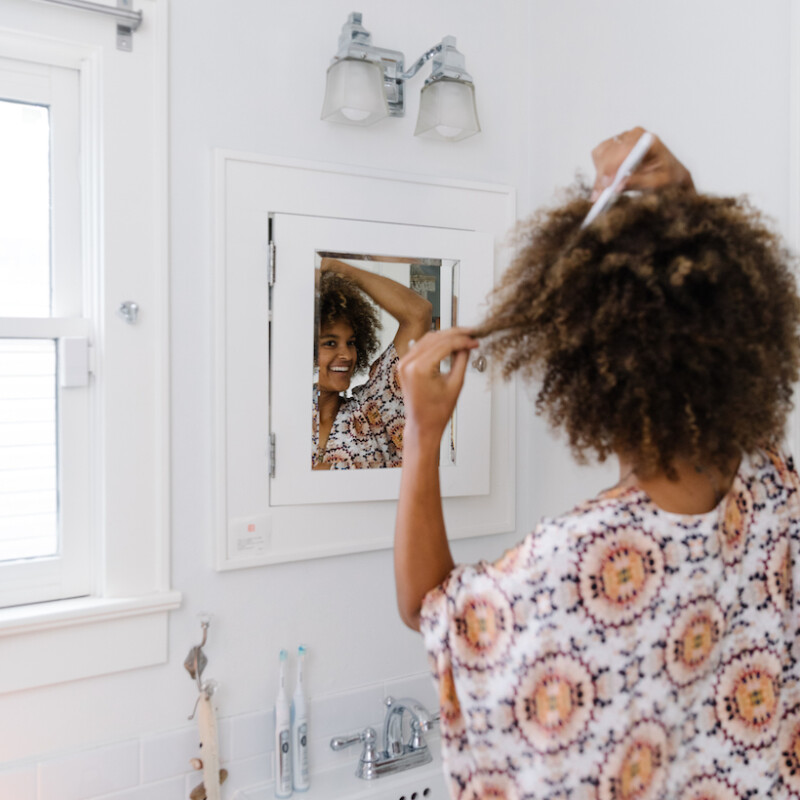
{"x":249,"y":531}
{"x":297,"y":238}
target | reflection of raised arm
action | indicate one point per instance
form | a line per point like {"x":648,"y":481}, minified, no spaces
{"x":412,"y":312}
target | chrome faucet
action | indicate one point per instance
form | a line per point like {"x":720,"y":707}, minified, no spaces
{"x":396,"y":755}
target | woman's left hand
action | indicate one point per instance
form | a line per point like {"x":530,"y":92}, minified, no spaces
{"x":429,"y":395}
{"x":659,"y":167}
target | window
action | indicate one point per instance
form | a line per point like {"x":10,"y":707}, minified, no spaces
{"x":44,"y":411}
{"x":84,"y":504}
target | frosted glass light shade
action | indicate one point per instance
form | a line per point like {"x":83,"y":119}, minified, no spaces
{"x":354,"y":93}
{"x":447,"y":111}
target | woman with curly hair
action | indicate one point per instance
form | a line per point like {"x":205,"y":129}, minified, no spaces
{"x":364,"y":429}
{"x":645,"y":644}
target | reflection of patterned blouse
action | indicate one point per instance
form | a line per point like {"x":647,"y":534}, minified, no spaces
{"x":621,"y":652}
{"x":368,"y":429}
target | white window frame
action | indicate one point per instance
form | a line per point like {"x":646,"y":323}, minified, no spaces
{"x":67,"y":573}
{"x":125,"y":238}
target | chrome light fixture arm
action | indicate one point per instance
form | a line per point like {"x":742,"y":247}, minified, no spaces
{"x":448,"y":62}
{"x":421,"y":61}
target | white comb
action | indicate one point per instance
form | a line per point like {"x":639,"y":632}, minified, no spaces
{"x":611,"y":192}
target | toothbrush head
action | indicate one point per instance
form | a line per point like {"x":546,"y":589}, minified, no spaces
{"x":284,"y":655}
{"x":301,"y":651}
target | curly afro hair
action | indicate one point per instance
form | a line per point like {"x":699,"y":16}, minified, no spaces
{"x":341,"y":299}
{"x":667,"y":329}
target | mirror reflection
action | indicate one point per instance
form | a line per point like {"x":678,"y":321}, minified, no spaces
{"x":369,"y":310}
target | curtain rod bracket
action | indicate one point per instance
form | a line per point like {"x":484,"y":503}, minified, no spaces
{"x":128,"y":20}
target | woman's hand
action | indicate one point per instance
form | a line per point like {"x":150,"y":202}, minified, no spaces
{"x":658,"y":169}
{"x":328,"y":264}
{"x":422,"y":557}
{"x":429,"y":395}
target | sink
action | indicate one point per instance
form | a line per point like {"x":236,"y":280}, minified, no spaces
{"x":420,"y":783}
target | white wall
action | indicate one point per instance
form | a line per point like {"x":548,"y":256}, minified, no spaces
{"x":250,"y":75}
{"x":553,"y":78}
{"x":711,"y":77}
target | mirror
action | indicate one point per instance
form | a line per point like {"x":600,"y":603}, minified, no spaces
{"x":300,"y":243}
{"x":274,"y":218}
{"x":368,"y":309}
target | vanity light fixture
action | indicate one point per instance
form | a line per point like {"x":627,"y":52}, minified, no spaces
{"x":366,"y":83}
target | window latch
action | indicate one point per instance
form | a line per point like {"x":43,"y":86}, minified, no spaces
{"x":73,"y":362}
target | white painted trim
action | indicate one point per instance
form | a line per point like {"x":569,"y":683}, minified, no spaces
{"x":42,"y":328}
{"x":283,"y":185}
{"x":501,"y":524}
{"x":82,"y":611}
{"x":162,"y":296}
{"x":221,"y":156}
{"x":793,"y":233}
{"x":79,"y":632}
{"x":132,"y":600}
{"x":109,"y":638}
{"x":59,"y":52}
{"x":218,"y":388}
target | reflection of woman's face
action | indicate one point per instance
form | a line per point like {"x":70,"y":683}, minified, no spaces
{"x":336,"y":356}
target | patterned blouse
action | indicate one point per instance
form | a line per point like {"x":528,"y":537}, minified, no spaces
{"x":621,"y":652}
{"x":368,"y":429}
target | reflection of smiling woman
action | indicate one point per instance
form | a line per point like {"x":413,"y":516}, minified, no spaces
{"x":366,"y":429}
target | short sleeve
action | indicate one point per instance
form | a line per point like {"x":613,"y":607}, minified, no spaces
{"x":382,"y":385}
{"x":784,"y":466}
{"x":377,"y":414}
{"x":469,"y":627}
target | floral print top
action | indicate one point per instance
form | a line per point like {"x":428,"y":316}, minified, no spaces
{"x":621,"y":652}
{"x":368,"y":429}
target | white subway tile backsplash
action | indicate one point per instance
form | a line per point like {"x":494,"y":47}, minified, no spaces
{"x":249,"y":771}
{"x":421,"y":687}
{"x":157,"y":766}
{"x":224,"y":740}
{"x":163,"y":790}
{"x":339,"y":714}
{"x":191,"y":780}
{"x":321,"y":757}
{"x":91,"y":773}
{"x":252,"y":734}
{"x":168,"y":754}
{"x":19,"y":784}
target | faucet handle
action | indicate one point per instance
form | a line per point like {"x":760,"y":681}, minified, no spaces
{"x":417,"y":739}
{"x":367,"y":736}
{"x":340,"y":742}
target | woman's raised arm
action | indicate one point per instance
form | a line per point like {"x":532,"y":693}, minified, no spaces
{"x":422,"y":557}
{"x":412,"y":312}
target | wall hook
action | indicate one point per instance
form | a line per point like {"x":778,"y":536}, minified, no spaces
{"x":196,"y":661}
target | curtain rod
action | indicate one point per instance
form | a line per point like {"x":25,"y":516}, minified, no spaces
{"x":127,"y":19}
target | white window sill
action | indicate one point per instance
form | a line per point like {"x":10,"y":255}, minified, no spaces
{"x":47,"y":643}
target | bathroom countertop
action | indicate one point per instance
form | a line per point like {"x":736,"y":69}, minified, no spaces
{"x":419,"y":783}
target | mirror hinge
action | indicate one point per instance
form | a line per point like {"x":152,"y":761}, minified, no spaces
{"x":271,"y":263}
{"x":272,"y":455}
